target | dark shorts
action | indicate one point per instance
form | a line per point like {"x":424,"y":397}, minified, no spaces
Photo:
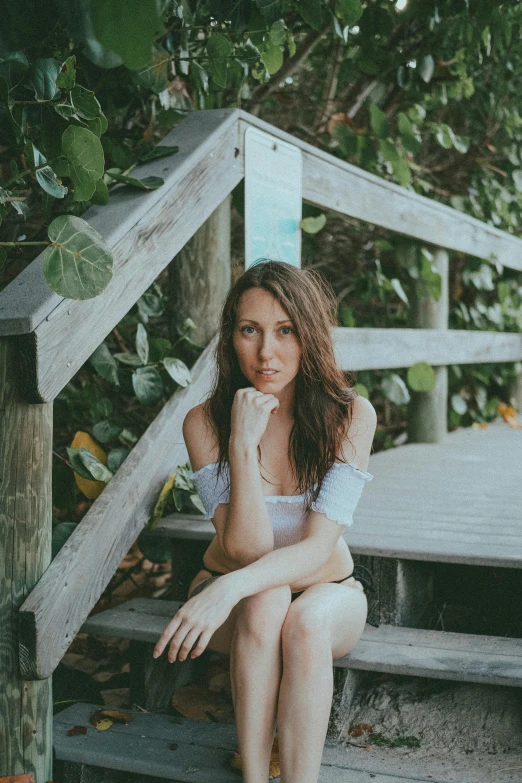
{"x":365,"y":578}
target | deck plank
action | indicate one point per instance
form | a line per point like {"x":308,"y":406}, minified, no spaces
{"x":202,"y":755}
{"x":491,"y":660}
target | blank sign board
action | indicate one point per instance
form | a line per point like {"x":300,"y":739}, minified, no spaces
{"x":273,"y":199}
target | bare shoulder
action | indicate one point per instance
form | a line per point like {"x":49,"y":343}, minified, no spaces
{"x":200,"y":438}
{"x":359,"y":436}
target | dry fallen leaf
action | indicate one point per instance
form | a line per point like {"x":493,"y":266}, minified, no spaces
{"x":360,"y":728}
{"x":77,"y":730}
{"x":117,"y":715}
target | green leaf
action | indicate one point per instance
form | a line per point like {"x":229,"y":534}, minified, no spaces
{"x":421,"y":377}
{"x":426,"y":67}
{"x":148,"y":183}
{"x":155,"y":75}
{"x":277,"y":33}
{"x":116,"y":457}
{"x":157,"y":549}
{"x":379,"y":122}
{"x":142,"y":344}
{"x":312,"y":12}
{"x":77,"y":464}
{"x":42,"y":78}
{"x":395,"y":390}
{"x":219,"y":51}
{"x":348,"y":10}
{"x":106,"y":430}
{"x":65,"y":110}
{"x":84,"y":153}
{"x":127,"y":28}
{"x":459,"y":404}
{"x":196,"y":501}
{"x":85,"y":103}
{"x":96,"y":469}
{"x":177,"y":370}
{"x":14,"y":68}
{"x":48,"y":180}
{"x":407,"y":134}
{"x":67,"y":76}
{"x":147,"y":385}
{"x":347,"y":139}
{"x":60,"y":535}
{"x":271,"y":56}
{"x":98,"y":125}
{"x":147,"y":152}
{"x":105,"y":364}
{"x":312,"y":225}
{"x":101,"y":193}
{"x":131,"y":359}
{"x":78,"y":263}
{"x":399,"y":290}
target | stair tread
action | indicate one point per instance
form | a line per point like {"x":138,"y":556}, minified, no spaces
{"x":494,"y":660}
{"x":203,"y":750}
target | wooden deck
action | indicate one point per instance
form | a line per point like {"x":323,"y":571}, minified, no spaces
{"x":455,"y":502}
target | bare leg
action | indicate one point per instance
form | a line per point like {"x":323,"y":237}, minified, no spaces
{"x":255,"y":672}
{"x":325,"y":622}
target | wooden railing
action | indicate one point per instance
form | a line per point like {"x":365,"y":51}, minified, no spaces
{"x":57,"y":336}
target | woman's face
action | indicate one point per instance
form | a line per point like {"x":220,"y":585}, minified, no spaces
{"x":265,"y":339}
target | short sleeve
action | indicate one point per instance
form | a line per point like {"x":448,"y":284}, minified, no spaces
{"x":211,"y":488}
{"x":340,"y":492}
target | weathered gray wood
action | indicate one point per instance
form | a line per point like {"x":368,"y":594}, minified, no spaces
{"x":140,"y":619}
{"x":494,"y":660}
{"x":428,"y":411}
{"x":197,"y":182}
{"x":458,"y":502}
{"x":26,"y":433}
{"x":333,"y":184}
{"x":55,"y":610}
{"x":202,"y":756}
{"x":199,"y":276}
{"x":373,"y":349}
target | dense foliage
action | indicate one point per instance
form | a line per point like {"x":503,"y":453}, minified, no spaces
{"x":423,"y":93}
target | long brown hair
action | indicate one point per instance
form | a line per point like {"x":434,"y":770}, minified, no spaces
{"x":323,"y":393}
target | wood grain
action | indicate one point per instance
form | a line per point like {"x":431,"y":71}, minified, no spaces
{"x":26,"y":433}
{"x":53,"y":613}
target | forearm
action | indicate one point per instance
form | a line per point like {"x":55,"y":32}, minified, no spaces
{"x":249,"y":534}
{"x":279,"y":567}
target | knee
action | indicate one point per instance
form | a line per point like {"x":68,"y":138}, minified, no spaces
{"x":304,"y":633}
{"x":263,"y":614}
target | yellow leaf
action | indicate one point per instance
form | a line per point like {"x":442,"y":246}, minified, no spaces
{"x":160,"y":503}
{"x":91,"y":489}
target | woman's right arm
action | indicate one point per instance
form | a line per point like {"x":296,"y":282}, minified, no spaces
{"x":243,"y":526}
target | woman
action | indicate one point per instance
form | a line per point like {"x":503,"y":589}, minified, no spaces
{"x":273,"y":451}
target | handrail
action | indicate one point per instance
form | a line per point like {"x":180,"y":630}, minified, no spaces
{"x":54,"y":611}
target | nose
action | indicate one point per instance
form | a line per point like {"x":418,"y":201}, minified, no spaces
{"x":266,"y":346}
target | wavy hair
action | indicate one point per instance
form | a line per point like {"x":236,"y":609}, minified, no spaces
{"x":323,"y":393}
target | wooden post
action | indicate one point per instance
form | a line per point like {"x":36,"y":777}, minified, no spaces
{"x":26,"y":433}
{"x":427,"y":412}
{"x":199,"y":276}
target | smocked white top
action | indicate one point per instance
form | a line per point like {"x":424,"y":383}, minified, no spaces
{"x":338,"y":498}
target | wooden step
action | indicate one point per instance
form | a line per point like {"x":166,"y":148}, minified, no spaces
{"x":491,"y":660}
{"x":203,"y":752}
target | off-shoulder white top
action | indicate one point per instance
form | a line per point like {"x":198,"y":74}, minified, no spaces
{"x":340,"y":493}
